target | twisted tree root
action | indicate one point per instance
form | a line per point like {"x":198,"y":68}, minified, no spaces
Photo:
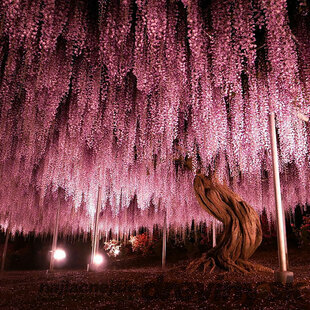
{"x":242,"y":232}
{"x":202,"y":261}
{"x":208,"y":264}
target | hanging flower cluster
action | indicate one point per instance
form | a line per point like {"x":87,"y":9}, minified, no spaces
{"x":112,"y":248}
{"x":136,"y":95}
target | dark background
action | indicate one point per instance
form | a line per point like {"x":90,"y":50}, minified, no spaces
{"x":32,"y":251}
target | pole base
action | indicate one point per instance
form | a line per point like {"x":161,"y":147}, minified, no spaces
{"x":94,"y":267}
{"x":50,"y":271}
{"x":284,"y":276}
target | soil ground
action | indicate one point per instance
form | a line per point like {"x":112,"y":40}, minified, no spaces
{"x":152,"y":288}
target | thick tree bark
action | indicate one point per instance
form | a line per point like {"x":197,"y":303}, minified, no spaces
{"x":242,"y":228}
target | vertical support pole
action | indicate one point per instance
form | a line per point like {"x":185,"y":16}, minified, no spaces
{"x":213,"y":234}
{"x":6,"y":242}
{"x":95,"y":243}
{"x":98,"y":240}
{"x":121,"y":236}
{"x":55,"y":237}
{"x":195,"y":233}
{"x":106,"y":235}
{"x":282,"y":275}
{"x":125,"y":237}
{"x":164,"y":248}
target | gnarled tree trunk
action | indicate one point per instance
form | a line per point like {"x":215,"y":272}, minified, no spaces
{"x":242,"y":228}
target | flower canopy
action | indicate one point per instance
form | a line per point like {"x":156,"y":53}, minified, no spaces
{"x":136,"y":95}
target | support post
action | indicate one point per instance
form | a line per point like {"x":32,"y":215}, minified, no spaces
{"x":283,"y":275}
{"x":95,"y":243}
{"x":213,"y":234}
{"x":55,"y":237}
{"x":195,"y":233}
{"x":164,"y":248}
{"x":6,"y":242}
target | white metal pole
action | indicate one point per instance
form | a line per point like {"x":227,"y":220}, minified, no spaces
{"x":95,"y":240}
{"x":213,"y":234}
{"x":7,"y":234}
{"x":164,"y":248}
{"x":283,"y":275}
{"x":55,"y":237}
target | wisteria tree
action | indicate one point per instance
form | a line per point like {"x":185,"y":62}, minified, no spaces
{"x":111,"y":93}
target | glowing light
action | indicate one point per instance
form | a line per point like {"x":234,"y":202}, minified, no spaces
{"x":116,"y":251}
{"x":98,"y":259}
{"x":59,"y":254}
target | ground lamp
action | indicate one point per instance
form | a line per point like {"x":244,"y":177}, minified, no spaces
{"x":59,"y":255}
{"x":98,"y":259}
